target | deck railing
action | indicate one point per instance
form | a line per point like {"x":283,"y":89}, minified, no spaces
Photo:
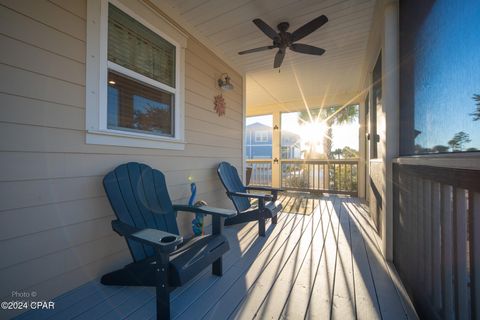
{"x":437,"y":239}
{"x":261,"y":172}
{"x":329,"y":176}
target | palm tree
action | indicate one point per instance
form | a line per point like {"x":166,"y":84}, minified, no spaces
{"x":330,"y":115}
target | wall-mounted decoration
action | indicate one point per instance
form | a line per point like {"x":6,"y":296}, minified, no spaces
{"x":224,"y":82}
{"x":219,"y":105}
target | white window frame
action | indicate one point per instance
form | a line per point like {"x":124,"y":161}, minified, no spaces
{"x":97,"y":73}
{"x":261,"y":136}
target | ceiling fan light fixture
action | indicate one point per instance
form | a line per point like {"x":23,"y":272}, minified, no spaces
{"x":224,"y":82}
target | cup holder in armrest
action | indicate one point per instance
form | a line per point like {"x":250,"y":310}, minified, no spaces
{"x":168,"y":239}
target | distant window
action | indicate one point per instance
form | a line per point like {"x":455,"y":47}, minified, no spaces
{"x":141,"y":94}
{"x":261,"y":136}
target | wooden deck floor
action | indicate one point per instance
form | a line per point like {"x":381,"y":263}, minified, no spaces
{"x":309,"y":266}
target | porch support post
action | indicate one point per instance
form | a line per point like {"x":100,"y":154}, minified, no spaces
{"x":391,"y":98}
{"x":244,"y":126}
{"x":276,"y":166}
{"x":362,"y":151}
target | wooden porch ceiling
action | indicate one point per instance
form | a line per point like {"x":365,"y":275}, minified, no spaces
{"x":226,"y":28}
{"x":323,"y":265}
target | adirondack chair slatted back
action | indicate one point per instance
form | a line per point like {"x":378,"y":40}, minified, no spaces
{"x":231,"y":181}
{"x":139,"y":197}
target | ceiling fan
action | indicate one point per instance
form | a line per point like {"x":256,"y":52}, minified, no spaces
{"x":283,"y":39}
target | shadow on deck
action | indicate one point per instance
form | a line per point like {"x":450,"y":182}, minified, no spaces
{"x":323,"y":261}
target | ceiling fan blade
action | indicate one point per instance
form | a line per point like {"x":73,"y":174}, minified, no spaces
{"x":269,"y":31}
{"x":278,"y":59}
{"x":308,"y":28}
{"x":305,"y":48}
{"x":256,"y":49}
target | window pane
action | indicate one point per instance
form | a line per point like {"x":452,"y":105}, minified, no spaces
{"x":258,"y":138}
{"x":135,"y":47}
{"x":136,"y":107}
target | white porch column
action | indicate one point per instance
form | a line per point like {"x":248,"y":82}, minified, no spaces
{"x":244,"y":131}
{"x":276,"y":174}
{"x":362,"y":152}
{"x":391,"y":99}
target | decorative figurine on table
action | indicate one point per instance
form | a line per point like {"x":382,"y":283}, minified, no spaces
{"x":197,"y":223}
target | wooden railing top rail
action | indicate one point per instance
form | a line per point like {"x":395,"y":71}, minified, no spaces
{"x":311,"y":161}
{"x":258,"y":160}
{"x":460,"y":178}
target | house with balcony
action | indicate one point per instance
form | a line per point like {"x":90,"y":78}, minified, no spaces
{"x":88,"y":85}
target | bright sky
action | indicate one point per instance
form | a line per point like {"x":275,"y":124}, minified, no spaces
{"x":344,"y":135}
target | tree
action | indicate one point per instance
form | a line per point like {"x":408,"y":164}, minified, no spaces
{"x":330,"y":115}
{"x":476,"y":113}
{"x":440,"y":149}
{"x":459,"y":140}
{"x":152,"y":119}
{"x":349,"y":153}
{"x":337,"y":153}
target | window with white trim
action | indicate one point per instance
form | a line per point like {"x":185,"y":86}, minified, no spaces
{"x":134,"y":78}
{"x":261,"y":136}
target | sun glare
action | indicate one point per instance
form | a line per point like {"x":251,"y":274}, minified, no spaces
{"x":312,"y":134}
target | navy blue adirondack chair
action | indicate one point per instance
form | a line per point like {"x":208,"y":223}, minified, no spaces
{"x":146,"y":217}
{"x":267,"y":206}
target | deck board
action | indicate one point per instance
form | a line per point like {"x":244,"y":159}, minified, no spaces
{"x":327,"y":264}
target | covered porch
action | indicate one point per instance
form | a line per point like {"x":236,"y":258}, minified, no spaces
{"x":322,"y":260}
{"x":407,"y":201}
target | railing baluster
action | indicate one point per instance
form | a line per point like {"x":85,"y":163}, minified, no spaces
{"x":436,"y":248}
{"x":474,"y":208}
{"x":427,"y":205}
{"x":420,"y":234}
{"x":447,"y":253}
{"x":460,"y":254}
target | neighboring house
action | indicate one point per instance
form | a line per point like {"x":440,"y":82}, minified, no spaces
{"x":258,"y":142}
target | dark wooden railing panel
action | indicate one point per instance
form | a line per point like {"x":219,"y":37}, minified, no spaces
{"x":437,"y":239}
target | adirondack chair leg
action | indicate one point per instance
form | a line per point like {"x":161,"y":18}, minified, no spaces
{"x":261,"y":226}
{"x":162,"y":292}
{"x":261,"y":217}
{"x":217,"y":228}
{"x":274,"y":219}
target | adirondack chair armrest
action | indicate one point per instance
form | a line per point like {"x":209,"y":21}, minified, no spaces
{"x":250,"y":195}
{"x":262,"y":188}
{"x":220,"y":212}
{"x":165,"y":242}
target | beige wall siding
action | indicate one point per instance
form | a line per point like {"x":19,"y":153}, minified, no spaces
{"x":55,"y":229}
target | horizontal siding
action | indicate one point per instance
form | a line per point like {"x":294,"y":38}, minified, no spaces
{"x":54,"y":215}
